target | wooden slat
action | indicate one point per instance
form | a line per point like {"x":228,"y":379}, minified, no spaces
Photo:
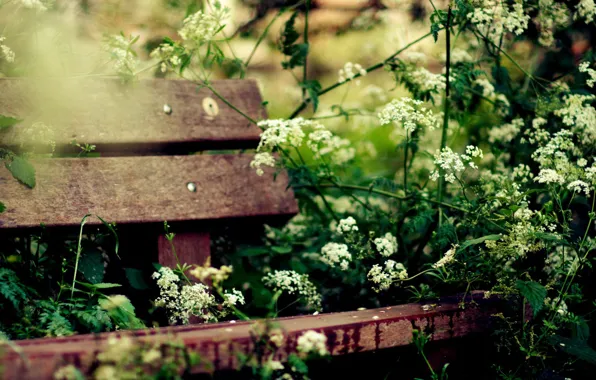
{"x":347,"y":332}
{"x":191,"y":248}
{"x":144,"y":190}
{"x":129,"y":117}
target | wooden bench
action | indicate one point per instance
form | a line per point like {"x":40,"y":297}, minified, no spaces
{"x":144,"y":132}
{"x":145,"y":176}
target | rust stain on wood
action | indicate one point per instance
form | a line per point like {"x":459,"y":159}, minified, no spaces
{"x":218,"y":343}
{"x":144,"y":190}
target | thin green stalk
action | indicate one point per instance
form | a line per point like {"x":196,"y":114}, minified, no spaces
{"x":446,"y":101}
{"x":229,"y":104}
{"x":374,"y":67}
{"x":389,"y":194}
{"x":406,"y":164}
{"x":79,"y":249}
{"x":305,"y":38}
{"x":263,"y":35}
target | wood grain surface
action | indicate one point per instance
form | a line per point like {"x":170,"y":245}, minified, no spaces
{"x":119,"y":117}
{"x":146,"y":189}
{"x":347,"y":332}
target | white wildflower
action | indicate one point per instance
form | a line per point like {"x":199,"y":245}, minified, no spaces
{"x":202,"y":27}
{"x":233,"y":298}
{"x":120,"y":48}
{"x":386,"y":245}
{"x":451,"y":164}
{"x":384,"y":277}
{"x":549,"y":176}
{"x":6,"y":51}
{"x":293,"y":283}
{"x":584,"y":67}
{"x":334,"y":254}
{"x":349,"y":71}
{"x":262,"y":159}
{"x":347,"y":226}
{"x":507,"y":132}
{"x":312,"y":342}
{"x":447,"y":258}
{"x":586,"y":9}
{"x":579,"y":186}
{"x":410,"y":113}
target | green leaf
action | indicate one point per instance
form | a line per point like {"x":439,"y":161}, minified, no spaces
{"x":253,"y":251}
{"x":22,"y":170}
{"x":297,"y":56}
{"x":136,"y":279}
{"x":91,"y":266}
{"x":7,"y":121}
{"x":101,"y":285}
{"x":574,"y":347}
{"x":297,"y":364}
{"x":281,"y":250}
{"x":312,"y":87}
{"x":533,"y":292}
{"x":482,"y":239}
{"x":2,"y":207}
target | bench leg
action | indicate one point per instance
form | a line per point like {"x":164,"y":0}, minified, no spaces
{"x":191,"y":248}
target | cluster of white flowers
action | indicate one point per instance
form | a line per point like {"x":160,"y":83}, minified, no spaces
{"x":556,"y":156}
{"x":349,"y":71}
{"x":202,"y":27}
{"x":386,"y":245}
{"x":561,"y":307}
{"x":312,"y":342}
{"x":294,"y":283}
{"x":414,"y":58}
{"x":233,"y":298}
{"x":581,"y":117}
{"x":120,"y":49}
{"x":334,"y":254}
{"x":426,"y":81}
{"x":506,"y":132}
{"x":549,"y":176}
{"x":384,"y":277}
{"x":168,"y":56}
{"x":447,"y":258}
{"x":347,"y":226}
{"x":410,"y":112}
{"x":586,"y":9}
{"x":536,"y":134}
{"x":183,"y":303}
{"x":6,"y":51}
{"x":584,"y":67}
{"x":488,"y":90}
{"x":280,"y":133}
{"x":451,"y":163}
{"x":262,"y":159}
{"x":459,"y":56}
{"x":493,"y":17}
{"x":551,"y":16}
{"x":374,"y":94}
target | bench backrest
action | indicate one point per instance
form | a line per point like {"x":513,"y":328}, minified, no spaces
{"x":136,"y":128}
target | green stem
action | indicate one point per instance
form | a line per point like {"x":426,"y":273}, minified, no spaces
{"x":374,"y":67}
{"x":441,"y":189}
{"x":228,"y":103}
{"x":406,"y":164}
{"x":305,"y":38}
{"x":79,"y":249}
{"x":389,"y":194}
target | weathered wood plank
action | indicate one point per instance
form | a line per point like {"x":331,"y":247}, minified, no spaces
{"x":347,"y":332}
{"x":119,"y":117}
{"x":144,"y":190}
{"x":191,"y":248}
